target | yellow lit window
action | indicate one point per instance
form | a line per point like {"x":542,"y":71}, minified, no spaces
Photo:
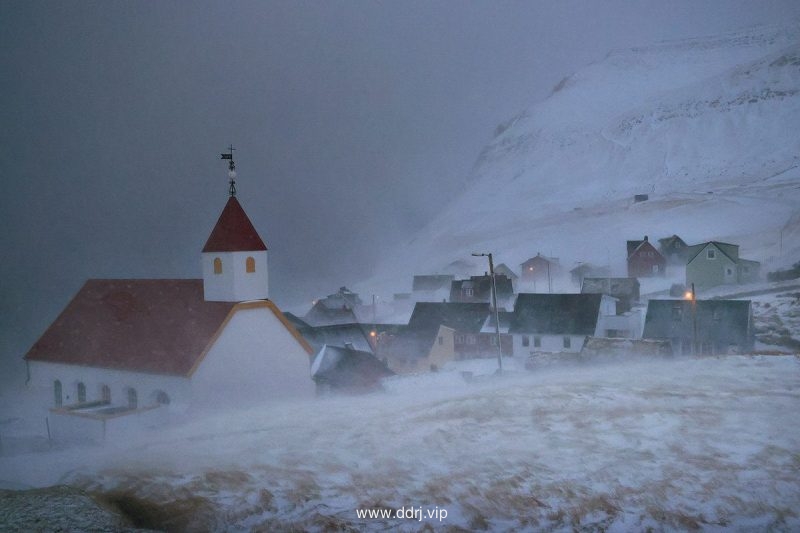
{"x":250,"y":265}
{"x":217,"y":265}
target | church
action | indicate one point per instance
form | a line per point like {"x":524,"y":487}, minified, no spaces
{"x":141,"y":348}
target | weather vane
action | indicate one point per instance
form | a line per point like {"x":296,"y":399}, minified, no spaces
{"x":231,"y":169}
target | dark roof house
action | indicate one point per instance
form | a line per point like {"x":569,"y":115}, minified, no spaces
{"x":356,"y":335}
{"x":346,"y":369}
{"x":625,"y":290}
{"x":556,"y":314}
{"x":720,"y":326}
{"x":674,"y":249}
{"x":479,"y":289}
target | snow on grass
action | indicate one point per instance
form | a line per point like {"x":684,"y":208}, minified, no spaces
{"x":686,"y":443}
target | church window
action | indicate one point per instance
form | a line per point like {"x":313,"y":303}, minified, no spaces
{"x":105,"y":393}
{"x":57,"y":395}
{"x":81,"y":393}
{"x":217,"y":265}
{"x":133,"y":400}
{"x":162,"y":398}
{"x":250,"y":265}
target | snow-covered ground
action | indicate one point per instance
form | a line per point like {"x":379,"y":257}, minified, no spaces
{"x":673,"y":444}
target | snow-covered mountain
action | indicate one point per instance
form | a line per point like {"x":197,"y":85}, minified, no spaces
{"x":707,"y":127}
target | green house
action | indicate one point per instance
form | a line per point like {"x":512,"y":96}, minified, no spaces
{"x":717,"y":263}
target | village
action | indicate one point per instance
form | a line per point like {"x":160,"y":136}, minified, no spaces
{"x":131,"y":352}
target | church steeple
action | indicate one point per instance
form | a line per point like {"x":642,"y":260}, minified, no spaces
{"x":234,"y":258}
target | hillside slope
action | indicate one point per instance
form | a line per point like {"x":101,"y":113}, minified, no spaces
{"x":706,"y":127}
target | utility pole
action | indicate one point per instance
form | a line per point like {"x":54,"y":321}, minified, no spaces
{"x":496,"y":312}
{"x":694,"y":321}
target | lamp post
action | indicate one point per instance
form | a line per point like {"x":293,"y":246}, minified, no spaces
{"x":496,"y":312}
{"x":693,"y":297}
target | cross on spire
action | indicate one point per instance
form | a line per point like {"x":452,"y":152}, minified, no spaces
{"x":231,"y":169}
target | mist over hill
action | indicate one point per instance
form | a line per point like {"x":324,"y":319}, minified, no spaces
{"x":706,"y":127}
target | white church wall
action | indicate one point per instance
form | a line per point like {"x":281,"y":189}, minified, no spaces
{"x":254,"y":358}
{"x":43,"y":375}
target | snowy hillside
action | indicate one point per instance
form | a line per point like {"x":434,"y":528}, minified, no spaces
{"x":706,"y":127}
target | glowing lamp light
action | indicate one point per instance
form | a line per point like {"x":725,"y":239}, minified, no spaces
{"x":372,"y":334}
{"x":688,"y":295}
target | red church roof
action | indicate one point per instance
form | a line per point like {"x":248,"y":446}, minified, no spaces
{"x":157,"y":326}
{"x":160,"y":326}
{"x":234,"y":232}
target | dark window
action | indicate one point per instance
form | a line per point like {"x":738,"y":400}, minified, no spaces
{"x":567,"y":342}
{"x":711,"y":253}
{"x":133,"y":400}
{"x":57,"y":394}
{"x":677,"y":313}
{"x":526,"y":341}
{"x":162,"y":398}
{"x":441,"y":340}
{"x":105,"y":394}
{"x":470,"y":339}
{"x":537,"y":342}
{"x":81,"y":393}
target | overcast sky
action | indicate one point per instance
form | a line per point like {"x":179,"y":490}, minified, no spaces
{"x":353,"y":122}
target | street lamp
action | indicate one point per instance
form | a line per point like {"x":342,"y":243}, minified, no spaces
{"x":691,"y":295}
{"x":496,"y":312}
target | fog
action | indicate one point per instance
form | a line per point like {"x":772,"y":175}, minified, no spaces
{"x":353,"y":123}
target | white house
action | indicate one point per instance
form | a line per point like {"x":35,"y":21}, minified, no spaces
{"x":551,"y":323}
{"x":137,"y":348}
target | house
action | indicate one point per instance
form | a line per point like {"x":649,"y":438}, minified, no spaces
{"x":540,"y":269}
{"x":429,"y":338}
{"x":322,"y":315}
{"x":479,"y":289}
{"x":644,"y":261}
{"x":625,"y":290}
{"x":703,"y":326}
{"x":356,"y":335}
{"x":549,"y":323}
{"x":483,"y":344}
{"x":674,"y":249}
{"x":717,"y":263}
{"x":346,"y":369}
{"x":137,"y":348}
{"x":431,"y":288}
{"x":503,"y":270}
{"x":588,"y":270}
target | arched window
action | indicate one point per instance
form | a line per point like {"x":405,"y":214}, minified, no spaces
{"x":133,"y":400}
{"x":81,"y":392}
{"x":105,"y":393}
{"x":162,"y":398}
{"x":217,"y":265}
{"x":250,"y":265}
{"x":57,"y":396}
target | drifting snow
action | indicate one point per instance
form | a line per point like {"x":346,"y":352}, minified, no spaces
{"x":678,"y":444}
{"x":707,"y":127}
